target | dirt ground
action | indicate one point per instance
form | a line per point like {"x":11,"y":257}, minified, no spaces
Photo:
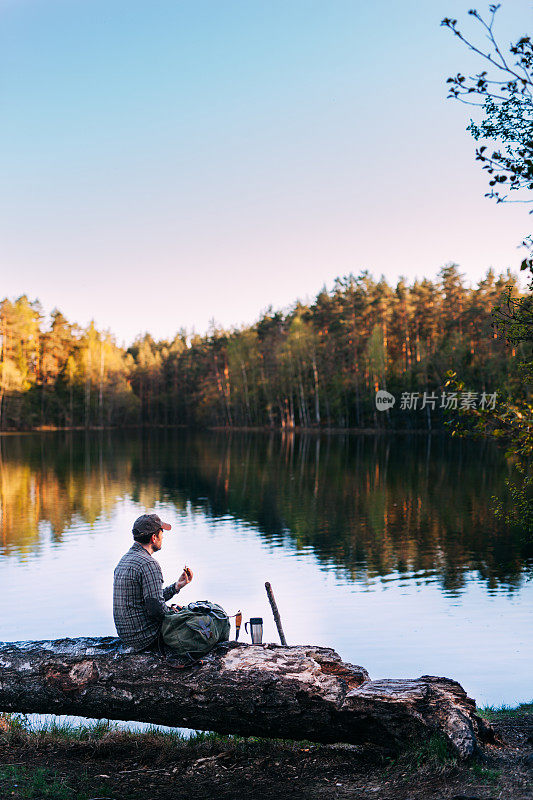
{"x":147,"y":767}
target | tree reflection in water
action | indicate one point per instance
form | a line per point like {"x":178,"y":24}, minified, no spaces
{"x":369,"y":505}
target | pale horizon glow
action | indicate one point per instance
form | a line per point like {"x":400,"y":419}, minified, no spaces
{"x":166,"y":164}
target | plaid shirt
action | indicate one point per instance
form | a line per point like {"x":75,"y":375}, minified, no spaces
{"x":138,"y":598}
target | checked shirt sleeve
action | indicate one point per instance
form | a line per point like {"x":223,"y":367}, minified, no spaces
{"x":154,"y":595}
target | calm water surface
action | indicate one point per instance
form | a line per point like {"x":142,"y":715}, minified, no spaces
{"x":384,"y":548}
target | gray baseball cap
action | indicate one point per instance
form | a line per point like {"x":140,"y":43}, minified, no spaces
{"x":149,"y":523}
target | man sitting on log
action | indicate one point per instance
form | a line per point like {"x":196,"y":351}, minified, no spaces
{"x":138,"y":596}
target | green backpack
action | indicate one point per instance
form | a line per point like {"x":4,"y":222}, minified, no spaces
{"x":196,"y":629}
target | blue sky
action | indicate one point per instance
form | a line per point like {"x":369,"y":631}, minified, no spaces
{"x":165,"y":163}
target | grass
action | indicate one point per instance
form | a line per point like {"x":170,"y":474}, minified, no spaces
{"x":102,"y":735}
{"x":433,"y":754}
{"x":484,"y":774}
{"x":22,"y":783}
{"x":105,"y":738}
{"x":493,"y":712}
{"x":18,"y":726}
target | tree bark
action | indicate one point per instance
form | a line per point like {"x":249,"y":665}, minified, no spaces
{"x":303,"y":692}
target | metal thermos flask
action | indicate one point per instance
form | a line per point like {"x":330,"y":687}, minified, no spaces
{"x":256,"y":629}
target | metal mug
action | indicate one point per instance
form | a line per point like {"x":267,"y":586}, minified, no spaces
{"x":256,"y":629}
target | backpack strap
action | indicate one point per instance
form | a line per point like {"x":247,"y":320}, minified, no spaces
{"x":187,"y":662}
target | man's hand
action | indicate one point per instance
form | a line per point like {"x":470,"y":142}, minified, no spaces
{"x":184,"y":578}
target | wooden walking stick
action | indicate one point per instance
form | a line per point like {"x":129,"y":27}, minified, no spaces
{"x":275,"y":612}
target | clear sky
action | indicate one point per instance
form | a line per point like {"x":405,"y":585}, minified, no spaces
{"x":166,"y":162}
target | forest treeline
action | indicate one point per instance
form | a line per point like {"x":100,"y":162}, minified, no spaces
{"x":314,"y":365}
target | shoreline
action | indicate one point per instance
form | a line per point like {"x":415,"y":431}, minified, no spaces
{"x":97,"y":761}
{"x":234,"y":429}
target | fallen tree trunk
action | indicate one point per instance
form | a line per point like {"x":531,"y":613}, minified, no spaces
{"x":297,"y":693}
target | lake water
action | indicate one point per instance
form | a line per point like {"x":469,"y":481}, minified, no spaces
{"x":384,"y":548}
